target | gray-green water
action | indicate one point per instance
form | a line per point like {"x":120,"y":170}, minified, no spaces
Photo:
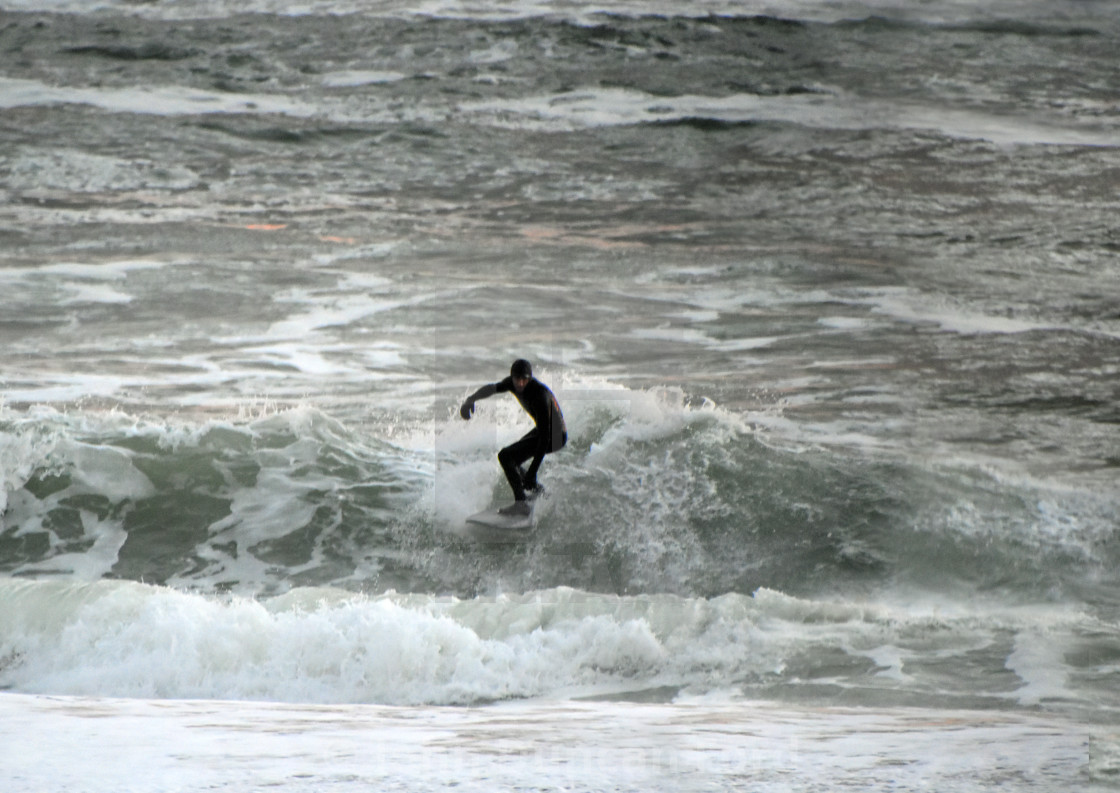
{"x":828,"y":299}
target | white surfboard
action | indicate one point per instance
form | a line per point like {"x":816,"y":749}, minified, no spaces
{"x":492,"y":526}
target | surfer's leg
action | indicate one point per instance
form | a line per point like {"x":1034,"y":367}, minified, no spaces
{"x":529,"y":478}
{"x":511,"y":457}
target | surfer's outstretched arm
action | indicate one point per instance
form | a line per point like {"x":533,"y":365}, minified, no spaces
{"x":487,"y":390}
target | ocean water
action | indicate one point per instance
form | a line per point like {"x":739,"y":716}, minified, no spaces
{"x":828,"y":292}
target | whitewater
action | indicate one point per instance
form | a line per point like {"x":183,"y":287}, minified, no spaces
{"x":826,"y":290}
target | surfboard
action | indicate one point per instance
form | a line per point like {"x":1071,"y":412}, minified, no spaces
{"x":492,"y":526}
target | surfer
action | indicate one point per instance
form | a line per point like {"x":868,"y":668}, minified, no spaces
{"x":549,"y":435}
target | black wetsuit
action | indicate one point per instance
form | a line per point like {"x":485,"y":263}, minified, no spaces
{"x":548,"y":436}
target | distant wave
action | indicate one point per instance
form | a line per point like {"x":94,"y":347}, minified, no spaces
{"x":1013,"y":16}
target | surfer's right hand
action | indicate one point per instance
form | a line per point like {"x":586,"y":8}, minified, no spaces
{"x":467,"y":409}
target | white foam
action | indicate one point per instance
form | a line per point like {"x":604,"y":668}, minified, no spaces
{"x":638,"y":415}
{"x":378,"y":250}
{"x":150,"y":100}
{"x":1038,"y":659}
{"x":95,"y":293}
{"x":688,"y":335}
{"x":272,"y":508}
{"x":589,"y":107}
{"x":890,"y":660}
{"x":356,"y":296}
{"x":356,"y":78}
{"x":909,"y":306}
{"x":93,"y":562}
{"x":333,"y":311}
{"x":139,"y":641}
{"x":31,"y":169}
{"x":830,"y":108}
{"x":328,"y":646}
{"x":107,"y":271}
{"x":94,"y":470}
{"x":68,"y":388}
{"x":847,"y":323}
{"x":20,"y":454}
{"x":106,"y":746}
{"x":105,"y":470}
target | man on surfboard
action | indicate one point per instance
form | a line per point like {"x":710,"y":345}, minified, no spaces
{"x":549,"y":435}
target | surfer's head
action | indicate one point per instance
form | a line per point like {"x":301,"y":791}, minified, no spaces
{"x":521,"y":372}
{"x":521,"y":368}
